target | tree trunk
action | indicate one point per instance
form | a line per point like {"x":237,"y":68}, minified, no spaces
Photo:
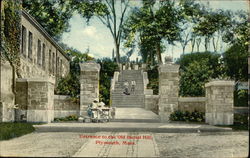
{"x":205,"y":44}
{"x":183,"y":50}
{"x":117,"y":53}
{"x":158,"y":51}
{"x":192,"y":44}
{"x":214,"y":45}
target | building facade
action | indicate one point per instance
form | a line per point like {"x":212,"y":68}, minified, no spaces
{"x":40,"y":58}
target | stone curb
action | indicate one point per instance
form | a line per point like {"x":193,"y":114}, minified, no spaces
{"x":42,"y":128}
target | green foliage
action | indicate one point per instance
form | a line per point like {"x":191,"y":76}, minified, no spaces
{"x":70,"y":85}
{"x":241,"y":97}
{"x":187,"y":116}
{"x":150,"y":24}
{"x":108,"y":67}
{"x":153,"y":77}
{"x":11,"y":34}
{"x":12,"y":130}
{"x":239,"y":32}
{"x":195,"y":70}
{"x":67,"y":118}
{"x":236,"y":64}
{"x":52,"y":15}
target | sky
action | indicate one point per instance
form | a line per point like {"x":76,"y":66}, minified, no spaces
{"x":98,"y":39}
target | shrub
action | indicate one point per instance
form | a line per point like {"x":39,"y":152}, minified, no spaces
{"x":187,"y":116}
{"x":241,"y":98}
{"x":153,"y":77}
{"x":67,"y":118}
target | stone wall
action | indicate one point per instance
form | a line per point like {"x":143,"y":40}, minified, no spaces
{"x":151,"y":103}
{"x":192,"y":104}
{"x":219,"y":105}
{"x":35,"y":99}
{"x":89,"y":81}
{"x":6,"y":94}
{"x":64,"y":106}
{"x":168,"y":90}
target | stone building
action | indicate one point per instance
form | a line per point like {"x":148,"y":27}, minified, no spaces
{"x":41,"y":56}
{"x":41,"y":60}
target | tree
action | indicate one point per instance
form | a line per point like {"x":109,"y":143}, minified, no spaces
{"x":152,"y":25}
{"x":236,"y":64}
{"x":235,"y":58}
{"x":196,"y":69}
{"x":191,"y":12}
{"x":107,"y":13}
{"x":212,"y":24}
{"x":240,"y":30}
{"x":52,"y":15}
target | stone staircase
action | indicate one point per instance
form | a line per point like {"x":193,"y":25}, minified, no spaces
{"x":130,"y":108}
{"x":136,"y":99}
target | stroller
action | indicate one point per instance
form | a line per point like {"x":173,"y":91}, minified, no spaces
{"x":98,"y":113}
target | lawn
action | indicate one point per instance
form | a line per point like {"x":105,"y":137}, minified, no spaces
{"x":10,"y":130}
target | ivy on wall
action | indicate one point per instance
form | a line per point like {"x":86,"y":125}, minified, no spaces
{"x":11,"y":35}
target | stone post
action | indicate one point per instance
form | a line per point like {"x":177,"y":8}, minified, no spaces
{"x":219,"y":104}
{"x":168,"y":90}
{"x":143,"y":66}
{"x":35,"y":98}
{"x":89,"y":80}
{"x":136,"y":67}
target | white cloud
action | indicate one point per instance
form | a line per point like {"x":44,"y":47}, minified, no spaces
{"x":90,"y":32}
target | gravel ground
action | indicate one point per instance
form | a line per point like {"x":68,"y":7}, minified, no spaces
{"x":230,"y":144}
{"x":61,"y":144}
{"x":65,"y":144}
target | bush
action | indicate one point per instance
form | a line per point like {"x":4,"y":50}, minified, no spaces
{"x":12,"y":130}
{"x":241,"y":98}
{"x":187,"y":116}
{"x":67,"y":118}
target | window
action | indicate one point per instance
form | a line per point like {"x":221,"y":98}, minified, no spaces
{"x":53,"y":64}
{"x":24,"y":34}
{"x":39,"y":52}
{"x":43,"y":55}
{"x":50,"y":61}
{"x":57,"y":66}
{"x":30,"y":45}
{"x":60,"y":67}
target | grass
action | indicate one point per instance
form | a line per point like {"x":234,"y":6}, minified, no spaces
{"x":9,"y":130}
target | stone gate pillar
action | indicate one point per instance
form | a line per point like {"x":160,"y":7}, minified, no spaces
{"x":168,"y":90}
{"x":219,"y":104}
{"x":89,"y":81}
